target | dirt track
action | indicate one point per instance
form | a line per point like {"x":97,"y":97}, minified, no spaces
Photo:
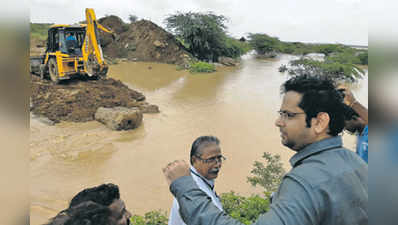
{"x":77,"y":100}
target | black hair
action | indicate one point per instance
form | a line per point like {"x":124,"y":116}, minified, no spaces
{"x":319,"y":94}
{"x":104,"y":194}
{"x":350,"y":113}
{"x":85,"y":213}
{"x":199,"y":143}
{"x":89,"y":207}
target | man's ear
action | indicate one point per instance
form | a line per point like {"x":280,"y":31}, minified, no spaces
{"x":321,"y":123}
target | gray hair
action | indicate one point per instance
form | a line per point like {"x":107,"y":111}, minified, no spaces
{"x":200,"y":142}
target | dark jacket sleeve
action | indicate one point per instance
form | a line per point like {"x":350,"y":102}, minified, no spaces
{"x":197,"y":209}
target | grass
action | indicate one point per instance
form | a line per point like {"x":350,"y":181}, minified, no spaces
{"x":202,"y":67}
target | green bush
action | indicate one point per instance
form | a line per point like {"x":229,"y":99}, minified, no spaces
{"x":39,"y":30}
{"x":202,"y":67}
{"x":234,"y":48}
{"x":263,"y":43}
{"x":268,"y":176}
{"x":245,"y":209}
{"x":363,"y":57}
{"x":156,"y":217}
{"x":332,"y":69}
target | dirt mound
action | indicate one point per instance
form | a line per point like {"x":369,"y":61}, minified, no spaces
{"x":78,"y":100}
{"x":142,"y":41}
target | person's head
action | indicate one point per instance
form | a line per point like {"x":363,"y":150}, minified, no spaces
{"x":85,"y":213}
{"x":206,"y":156}
{"x":94,"y":205}
{"x":312,"y":110}
{"x":354,"y":124}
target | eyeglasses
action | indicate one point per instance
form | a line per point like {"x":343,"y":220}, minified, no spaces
{"x":212,"y":160}
{"x":288,"y":115}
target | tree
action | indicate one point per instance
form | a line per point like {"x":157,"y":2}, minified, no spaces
{"x":363,"y":57}
{"x":334,"y":70}
{"x":268,"y":176}
{"x":263,"y":43}
{"x":132,"y":18}
{"x":203,"y":33}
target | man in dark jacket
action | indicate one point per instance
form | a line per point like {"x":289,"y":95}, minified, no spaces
{"x":327,"y":184}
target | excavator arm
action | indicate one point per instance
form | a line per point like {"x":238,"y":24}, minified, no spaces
{"x":107,"y":31}
{"x":91,"y":49}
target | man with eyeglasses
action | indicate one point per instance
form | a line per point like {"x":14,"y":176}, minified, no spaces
{"x":206,"y":160}
{"x":327,"y":184}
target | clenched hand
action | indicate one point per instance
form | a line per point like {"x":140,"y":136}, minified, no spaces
{"x":175,"y":170}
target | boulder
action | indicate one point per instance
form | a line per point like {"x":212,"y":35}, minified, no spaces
{"x":159,"y":44}
{"x":148,"y":108}
{"x":119,"y":118}
{"x":228,"y":61}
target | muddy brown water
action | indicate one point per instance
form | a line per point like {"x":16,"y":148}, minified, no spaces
{"x":238,"y":105}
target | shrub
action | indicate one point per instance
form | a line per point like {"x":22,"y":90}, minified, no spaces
{"x":334,"y":70}
{"x":133,"y":18}
{"x":363,"y":57}
{"x":234,"y":48}
{"x":39,"y":30}
{"x":202,"y":67}
{"x":156,"y":217}
{"x":263,"y":43}
{"x":268,"y":176}
{"x":245,"y":209}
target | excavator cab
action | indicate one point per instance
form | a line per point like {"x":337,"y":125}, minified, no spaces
{"x":67,"y":40}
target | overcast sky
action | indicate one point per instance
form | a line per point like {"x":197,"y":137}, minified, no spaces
{"x":331,"y":21}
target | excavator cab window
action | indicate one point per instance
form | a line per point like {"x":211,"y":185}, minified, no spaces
{"x":62,"y":42}
{"x":73,"y":41}
{"x":55,"y":40}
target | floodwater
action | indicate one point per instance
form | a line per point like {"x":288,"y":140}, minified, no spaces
{"x":238,"y":105}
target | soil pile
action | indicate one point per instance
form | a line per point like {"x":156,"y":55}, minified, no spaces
{"x":78,"y":100}
{"x":142,"y":41}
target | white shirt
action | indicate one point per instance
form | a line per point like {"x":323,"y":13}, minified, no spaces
{"x":175,"y":218}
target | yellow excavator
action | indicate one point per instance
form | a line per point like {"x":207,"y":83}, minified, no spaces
{"x":72,"y":50}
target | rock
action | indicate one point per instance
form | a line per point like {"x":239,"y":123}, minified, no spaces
{"x":228,"y":61}
{"x":159,"y":44}
{"x":132,"y":103}
{"x":119,"y":118}
{"x":46,"y":120}
{"x":42,"y":119}
{"x":147,"y":108}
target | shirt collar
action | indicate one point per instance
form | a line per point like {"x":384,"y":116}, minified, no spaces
{"x":211,"y":182}
{"x":325,"y":144}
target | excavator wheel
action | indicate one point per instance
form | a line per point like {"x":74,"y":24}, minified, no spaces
{"x":53,"y":70}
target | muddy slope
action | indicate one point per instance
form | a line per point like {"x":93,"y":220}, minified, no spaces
{"x":77,"y":100}
{"x":142,"y":41}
